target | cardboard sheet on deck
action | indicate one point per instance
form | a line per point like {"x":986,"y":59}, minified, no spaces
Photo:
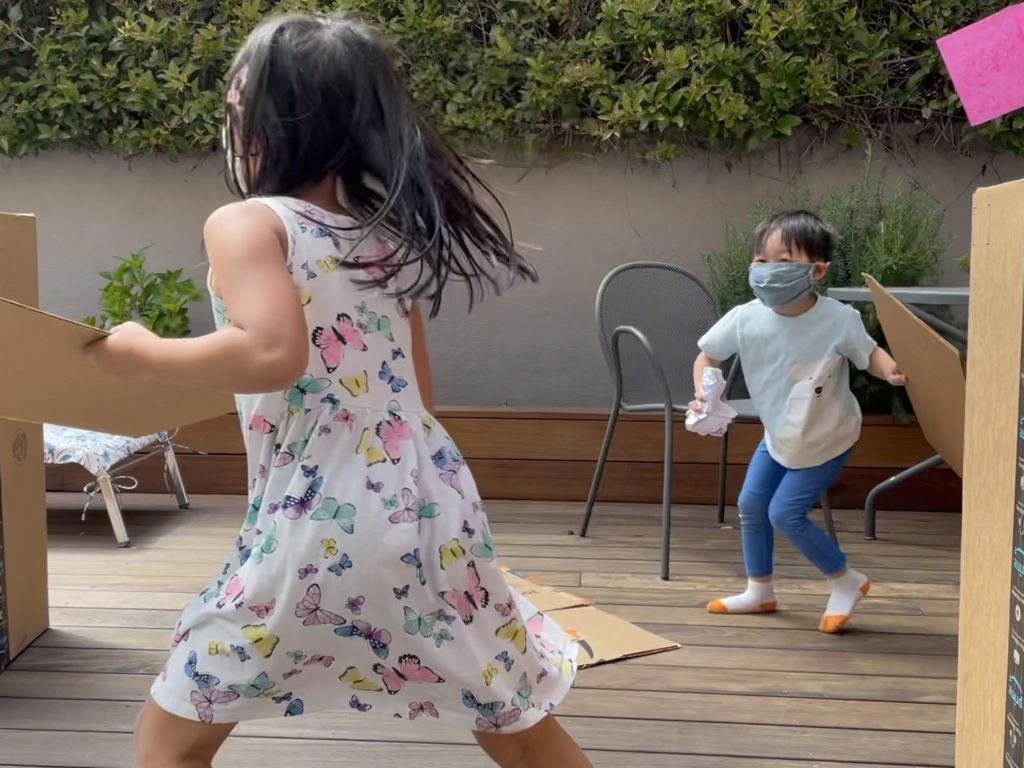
{"x":936,"y":382}
{"x":543,"y":598}
{"x":603,"y":638}
{"x":48,"y":378}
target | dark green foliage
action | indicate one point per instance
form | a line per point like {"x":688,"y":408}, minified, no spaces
{"x":133,"y":76}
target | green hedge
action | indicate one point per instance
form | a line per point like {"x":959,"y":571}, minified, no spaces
{"x":133,"y":76}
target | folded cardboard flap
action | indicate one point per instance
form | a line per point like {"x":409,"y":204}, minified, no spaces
{"x":56,"y":382}
{"x":603,"y":638}
{"x":541,"y":597}
{"x":936,"y":382}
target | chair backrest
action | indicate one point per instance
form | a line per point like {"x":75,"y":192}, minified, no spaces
{"x":673,"y":309}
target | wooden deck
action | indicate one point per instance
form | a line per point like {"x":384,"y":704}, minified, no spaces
{"x":743,"y":691}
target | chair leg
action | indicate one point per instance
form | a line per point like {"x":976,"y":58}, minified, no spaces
{"x":666,"y":498}
{"x":885,"y":485}
{"x":723,"y":466}
{"x":595,"y":484}
{"x":113,"y":510}
{"x":177,"y":484}
{"x":826,"y":508}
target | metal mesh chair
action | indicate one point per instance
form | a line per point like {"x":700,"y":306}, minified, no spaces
{"x":649,"y":319}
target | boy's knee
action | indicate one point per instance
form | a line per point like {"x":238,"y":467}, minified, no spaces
{"x":753,"y":505}
{"x":784,"y":515}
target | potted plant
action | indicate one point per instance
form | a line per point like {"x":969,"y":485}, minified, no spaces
{"x":157,"y":300}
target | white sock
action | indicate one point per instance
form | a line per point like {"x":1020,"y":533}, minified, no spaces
{"x":759,"y":598}
{"x":847,"y":591}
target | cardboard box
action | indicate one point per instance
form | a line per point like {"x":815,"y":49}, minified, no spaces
{"x":24,"y":610}
{"x":49,"y":378}
{"x":990,"y":706}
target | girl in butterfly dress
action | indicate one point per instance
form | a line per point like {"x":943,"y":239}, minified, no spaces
{"x":364,"y":576}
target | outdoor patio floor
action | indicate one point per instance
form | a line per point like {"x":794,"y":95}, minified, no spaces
{"x":765,"y":691}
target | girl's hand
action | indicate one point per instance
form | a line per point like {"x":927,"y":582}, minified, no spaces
{"x":121,"y":353}
{"x":896,"y":378}
{"x":696,"y":405}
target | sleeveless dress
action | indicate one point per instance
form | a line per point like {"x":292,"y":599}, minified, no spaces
{"x":364,"y":577}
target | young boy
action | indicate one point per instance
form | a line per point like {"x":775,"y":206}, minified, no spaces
{"x":794,"y":346}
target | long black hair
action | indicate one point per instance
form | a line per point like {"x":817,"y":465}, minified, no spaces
{"x":311,"y":95}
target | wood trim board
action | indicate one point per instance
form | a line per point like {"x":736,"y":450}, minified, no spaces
{"x":549,"y":454}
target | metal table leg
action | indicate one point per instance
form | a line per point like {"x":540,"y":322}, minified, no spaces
{"x":885,"y":485}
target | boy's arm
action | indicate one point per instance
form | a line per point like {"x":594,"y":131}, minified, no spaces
{"x":704,"y":360}
{"x":863,"y":351}
{"x":720,"y":343}
{"x":882,"y":366}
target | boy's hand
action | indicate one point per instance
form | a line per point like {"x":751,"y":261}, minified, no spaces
{"x":883,"y":367}
{"x":896,"y":378}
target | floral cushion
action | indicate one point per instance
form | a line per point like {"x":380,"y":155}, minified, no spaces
{"x":96,"y":451}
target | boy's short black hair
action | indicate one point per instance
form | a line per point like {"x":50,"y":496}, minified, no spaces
{"x":800,"y":230}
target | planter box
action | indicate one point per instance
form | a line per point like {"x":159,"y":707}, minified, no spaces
{"x":550,"y":454}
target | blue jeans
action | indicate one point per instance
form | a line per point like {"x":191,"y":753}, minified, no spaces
{"x":778,"y":499}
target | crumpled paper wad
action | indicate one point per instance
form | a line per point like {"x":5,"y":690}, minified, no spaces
{"x":716,"y":415}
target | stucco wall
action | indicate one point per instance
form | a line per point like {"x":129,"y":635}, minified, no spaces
{"x":536,"y":346}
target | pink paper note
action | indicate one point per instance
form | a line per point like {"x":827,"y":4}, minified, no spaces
{"x":986,"y":63}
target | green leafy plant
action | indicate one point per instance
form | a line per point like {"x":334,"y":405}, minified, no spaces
{"x":157,"y":300}
{"x":132,"y":76}
{"x":891,"y":232}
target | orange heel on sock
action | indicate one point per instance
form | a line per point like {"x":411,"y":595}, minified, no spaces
{"x":719,"y":607}
{"x":833,"y":624}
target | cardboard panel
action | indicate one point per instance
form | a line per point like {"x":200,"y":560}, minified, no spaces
{"x":24,"y":610}
{"x":935,"y":375}
{"x":59,"y":384}
{"x":23,"y":509}
{"x":988,"y":702}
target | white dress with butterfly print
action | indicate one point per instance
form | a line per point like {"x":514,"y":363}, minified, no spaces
{"x":364,"y":577}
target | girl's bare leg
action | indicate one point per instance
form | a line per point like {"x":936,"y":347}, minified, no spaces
{"x":163,"y":740}
{"x":545,"y":745}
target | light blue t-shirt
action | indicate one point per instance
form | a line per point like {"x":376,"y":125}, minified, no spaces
{"x":797,"y":374}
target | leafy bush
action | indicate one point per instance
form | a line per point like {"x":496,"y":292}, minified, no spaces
{"x":134,"y":76}
{"x":157,"y":300}
{"x":893,"y":233}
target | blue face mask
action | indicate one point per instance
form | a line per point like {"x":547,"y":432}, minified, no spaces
{"x":780,"y":284}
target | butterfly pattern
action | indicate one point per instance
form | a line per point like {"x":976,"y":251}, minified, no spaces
{"x":364,"y":573}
